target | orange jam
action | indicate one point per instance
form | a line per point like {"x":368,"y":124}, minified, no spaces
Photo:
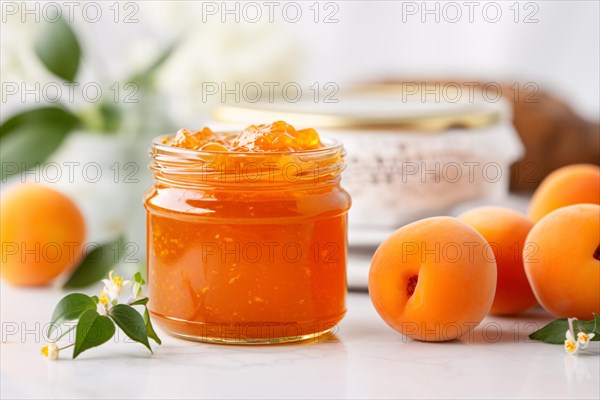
{"x":247,"y":234}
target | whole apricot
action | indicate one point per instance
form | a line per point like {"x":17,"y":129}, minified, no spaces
{"x":506,"y":231}
{"x":434,"y":279}
{"x":573,"y":184}
{"x":562,"y":261}
{"x":41,"y":232}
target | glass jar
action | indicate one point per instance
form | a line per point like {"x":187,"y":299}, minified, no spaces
{"x":247,"y":247}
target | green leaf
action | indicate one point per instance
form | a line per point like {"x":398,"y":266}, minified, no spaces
{"x":554,"y":332}
{"x":93,"y":330}
{"x":130,"y":322}
{"x":149,"y":328}
{"x":39,"y":117}
{"x":138,"y":278}
{"x":597,"y":325}
{"x":70,"y":308}
{"x":140,"y":302}
{"x":143,"y":302}
{"x":58,"y":49}
{"x":28,"y":138}
{"x":96,"y":264}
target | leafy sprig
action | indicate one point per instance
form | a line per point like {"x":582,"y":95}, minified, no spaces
{"x":572,"y":333}
{"x":97,"y":316}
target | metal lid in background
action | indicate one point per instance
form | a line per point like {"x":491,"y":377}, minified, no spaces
{"x":382,"y":107}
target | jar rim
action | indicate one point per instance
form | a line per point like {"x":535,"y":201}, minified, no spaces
{"x":189,"y":166}
{"x":158,"y":144}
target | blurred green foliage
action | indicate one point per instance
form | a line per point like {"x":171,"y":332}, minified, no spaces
{"x":28,"y":138}
{"x":58,"y":49}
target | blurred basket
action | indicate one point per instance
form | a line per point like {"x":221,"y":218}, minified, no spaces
{"x":407,"y":158}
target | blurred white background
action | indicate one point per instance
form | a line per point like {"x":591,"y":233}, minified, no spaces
{"x":553,"y":44}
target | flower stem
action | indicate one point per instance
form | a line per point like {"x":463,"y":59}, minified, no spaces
{"x":67,"y":346}
{"x":67,"y":331}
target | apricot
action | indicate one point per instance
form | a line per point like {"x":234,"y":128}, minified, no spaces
{"x":434,"y":279}
{"x":41,"y":233}
{"x":505,"y":230}
{"x":574,"y":184}
{"x":562,"y":261}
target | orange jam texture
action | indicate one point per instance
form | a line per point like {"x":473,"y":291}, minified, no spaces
{"x":278,"y":136}
{"x":239,"y":263}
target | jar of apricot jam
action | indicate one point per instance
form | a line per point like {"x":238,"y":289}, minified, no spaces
{"x":247,"y":234}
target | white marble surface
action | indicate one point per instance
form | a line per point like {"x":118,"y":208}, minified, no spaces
{"x":366,"y":359}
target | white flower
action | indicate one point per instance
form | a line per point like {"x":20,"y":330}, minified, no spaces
{"x":571,"y":345}
{"x":50,"y":351}
{"x":105,"y":302}
{"x":114,"y":286}
{"x":583,"y":339}
{"x":109,"y":296}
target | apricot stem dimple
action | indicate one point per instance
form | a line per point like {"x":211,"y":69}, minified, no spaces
{"x":597,"y":253}
{"x":412,"y":284}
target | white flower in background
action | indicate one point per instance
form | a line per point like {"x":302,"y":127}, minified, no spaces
{"x":19,"y":65}
{"x":222,"y":53}
{"x":170,"y":17}
{"x":109,"y":177}
{"x":50,"y":351}
{"x":18,"y":60}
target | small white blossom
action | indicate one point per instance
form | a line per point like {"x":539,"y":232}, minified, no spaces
{"x":50,"y":351}
{"x":583,"y":339}
{"x":575,"y":343}
{"x":109,"y":296}
{"x":114,"y":285}
{"x":571,"y":345}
